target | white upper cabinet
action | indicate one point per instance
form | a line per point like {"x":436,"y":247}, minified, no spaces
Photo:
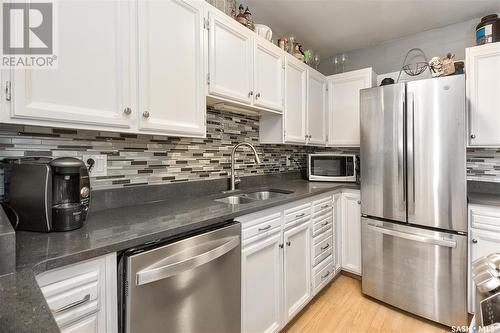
{"x":230,"y":59}
{"x":171,"y":86}
{"x":351,"y":232}
{"x":483,"y":94}
{"x":268,"y":75}
{"x":343,"y":117}
{"x":295,"y":101}
{"x":316,"y":108}
{"x":92,"y":84}
{"x":297,"y":268}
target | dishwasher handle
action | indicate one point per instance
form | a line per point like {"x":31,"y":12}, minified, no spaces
{"x":413,"y":237}
{"x":204,"y":253}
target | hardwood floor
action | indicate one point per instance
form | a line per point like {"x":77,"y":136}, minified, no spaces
{"x":342,"y":308}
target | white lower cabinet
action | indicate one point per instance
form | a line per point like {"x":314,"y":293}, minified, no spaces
{"x":261,"y":296}
{"x":484,"y":239}
{"x":83,"y":297}
{"x":297,"y":277}
{"x":337,"y":231}
{"x":351,"y":232}
{"x":289,"y":253}
{"x":275,"y":267}
{"x":87,"y":325}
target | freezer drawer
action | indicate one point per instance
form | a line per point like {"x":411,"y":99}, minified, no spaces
{"x":421,"y":271}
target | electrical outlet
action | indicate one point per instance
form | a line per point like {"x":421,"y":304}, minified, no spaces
{"x":100,"y":167}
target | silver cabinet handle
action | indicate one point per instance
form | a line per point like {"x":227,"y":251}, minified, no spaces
{"x":474,"y":241}
{"x":146,"y":114}
{"x":473,"y":136}
{"x":257,"y":96}
{"x":174,"y":265}
{"x":280,"y":246}
{"x":326,"y":246}
{"x":413,"y":237}
{"x":300,"y":215}
{"x":127,"y":111}
{"x":326,"y":275}
{"x":85,"y":299}
{"x":250,"y":94}
{"x":8,"y":91}
{"x":265,"y":228}
{"x":359,"y":202}
{"x":323,"y":224}
{"x":325,"y":206}
{"x":288,"y":243}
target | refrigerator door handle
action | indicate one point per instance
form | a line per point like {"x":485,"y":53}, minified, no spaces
{"x":410,"y":150}
{"x":401,"y":154}
{"x":413,"y":237}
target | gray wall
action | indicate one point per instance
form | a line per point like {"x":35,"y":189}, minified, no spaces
{"x":388,"y":56}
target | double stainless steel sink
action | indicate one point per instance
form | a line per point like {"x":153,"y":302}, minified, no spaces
{"x":249,"y":197}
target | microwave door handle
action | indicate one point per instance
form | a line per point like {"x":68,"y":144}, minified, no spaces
{"x":206,"y":252}
{"x":412,"y":236}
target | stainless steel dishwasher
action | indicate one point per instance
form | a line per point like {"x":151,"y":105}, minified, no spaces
{"x":189,"y":285}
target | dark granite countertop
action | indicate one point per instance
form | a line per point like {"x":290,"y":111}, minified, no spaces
{"x":22,"y":306}
{"x":483,"y":193}
{"x":489,"y":199}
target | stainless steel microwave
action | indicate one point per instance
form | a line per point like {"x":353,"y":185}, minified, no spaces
{"x":331,"y":167}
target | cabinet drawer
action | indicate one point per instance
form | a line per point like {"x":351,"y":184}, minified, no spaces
{"x":486,"y":218}
{"x":322,"y":214}
{"x":328,"y":252}
{"x":323,"y":273}
{"x":296,"y":213}
{"x":322,"y":204}
{"x":322,"y":225}
{"x":77,"y":313}
{"x":262,"y":228}
{"x":324,"y":246}
{"x":328,"y":204}
{"x":74,"y":297}
{"x":321,"y":237}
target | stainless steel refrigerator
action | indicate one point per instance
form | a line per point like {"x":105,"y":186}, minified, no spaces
{"x":413,"y":197}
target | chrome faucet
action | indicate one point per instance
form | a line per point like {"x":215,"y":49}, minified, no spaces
{"x":257,"y":161}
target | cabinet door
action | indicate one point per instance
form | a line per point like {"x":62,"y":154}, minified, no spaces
{"x":481,"y":243}
{"x":230,"y":59}
{"x":337,"y":230}
{"x":268,"y":75}
{"x":316,"y":108}
{"x":295,"y":101}
{"x":91,"y":85}
{"x":344,"y":106}
{"x":85,"y":325}
{"x":483,"y":94}
{"x":261,"y":274}
{"x":297,"y":269}
{"x":351,"y":232}
{"x":171,"y":86}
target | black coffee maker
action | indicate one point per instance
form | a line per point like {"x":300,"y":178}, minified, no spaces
{"x":48,"y":194}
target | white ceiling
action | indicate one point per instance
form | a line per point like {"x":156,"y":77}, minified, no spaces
{"x":334,"y":26}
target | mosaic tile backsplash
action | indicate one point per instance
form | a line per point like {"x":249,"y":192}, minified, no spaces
{"x":146,"y":159}
{"x":483,"y":164}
